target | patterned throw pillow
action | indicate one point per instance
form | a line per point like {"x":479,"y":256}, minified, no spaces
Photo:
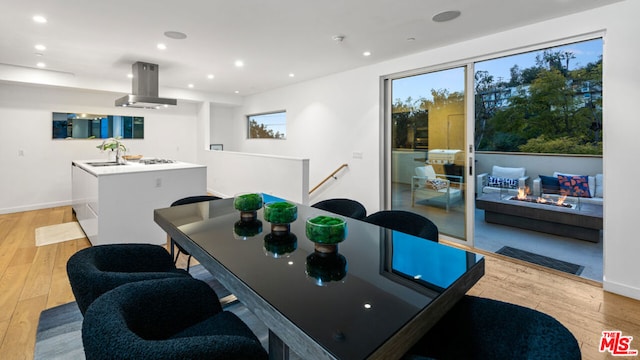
{"x":503,"y":182}
{"x":436,"y":184}
{"x":577,"y":185}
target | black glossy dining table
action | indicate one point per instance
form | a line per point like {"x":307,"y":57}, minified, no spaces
{"x":373,"y":298}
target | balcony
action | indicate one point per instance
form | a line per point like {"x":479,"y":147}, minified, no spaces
{"x":492,"y":237}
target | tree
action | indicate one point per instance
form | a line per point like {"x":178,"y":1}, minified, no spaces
{"x":555,"y":60}
{"x":547,"y":106}
{"x":259,"y":131}
{"x":485,"y":110}
{"x":405,"y":116}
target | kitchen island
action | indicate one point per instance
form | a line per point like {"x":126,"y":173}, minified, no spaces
{"x":114,"y":203}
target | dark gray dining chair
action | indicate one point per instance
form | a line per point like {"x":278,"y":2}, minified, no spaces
{"x":95,"y":270}
{"x":481,"y":328}
{"x":406,"y":222}
{"x":185,"y":201}
{"x":341,"y":206}
{"x":178,"y":318}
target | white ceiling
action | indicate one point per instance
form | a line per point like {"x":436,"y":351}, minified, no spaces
{"x":100,"y":39}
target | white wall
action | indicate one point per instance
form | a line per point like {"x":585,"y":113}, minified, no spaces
{"x":222,"y":122}
{"x":327,"y":121}
{"x":330,"y":118}
{"x":42,"y":176}
{"x":230,"y":173}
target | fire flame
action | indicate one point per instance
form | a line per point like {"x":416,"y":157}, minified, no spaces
{"x":523,"y":196}
{"x":560,"y":201}
{"x":522,"y":193}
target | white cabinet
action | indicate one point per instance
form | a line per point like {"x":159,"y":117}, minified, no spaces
{"x":85,"y":201}
{"x":117,"y":206}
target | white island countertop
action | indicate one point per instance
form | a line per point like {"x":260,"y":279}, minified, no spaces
{"x":114,"y":204}
{"x":131,"y":167}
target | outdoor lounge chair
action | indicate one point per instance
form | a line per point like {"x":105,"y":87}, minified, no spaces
{"x":426,"y":184}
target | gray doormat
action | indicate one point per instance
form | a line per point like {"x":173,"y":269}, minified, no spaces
{"x":541,"y":260}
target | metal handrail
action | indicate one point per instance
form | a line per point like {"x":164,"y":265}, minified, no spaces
{"x":329,"y":177}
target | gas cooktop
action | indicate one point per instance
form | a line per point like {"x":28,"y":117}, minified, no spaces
{"x":156,"y":161}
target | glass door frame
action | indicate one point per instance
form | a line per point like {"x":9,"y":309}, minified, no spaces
{"x":386,"y":140}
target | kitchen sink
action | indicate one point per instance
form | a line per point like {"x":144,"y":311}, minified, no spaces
{"x":105,"y":163}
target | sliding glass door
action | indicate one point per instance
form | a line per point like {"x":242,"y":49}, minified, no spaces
{"x":426,"y":116}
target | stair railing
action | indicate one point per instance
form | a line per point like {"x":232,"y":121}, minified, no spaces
{"x":333,"y":175}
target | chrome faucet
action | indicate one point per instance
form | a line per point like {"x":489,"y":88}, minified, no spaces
{"x":119,"y":158}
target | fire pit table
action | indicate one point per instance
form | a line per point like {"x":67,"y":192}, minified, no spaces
{"x":580,"y":221}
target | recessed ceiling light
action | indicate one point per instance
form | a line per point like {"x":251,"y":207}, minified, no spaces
{"x":40,"y":19}
{"x":162,"y":46}
{"x":130,"y":75}
{"x":175,"y":35}
{"x":411,"y":39}
{"x":366,"y":53}
{"x":41,"y":65}
{"x":210,"y":76}
{"x":40,"y":47}
{"x":239,"y":63}
{"x":190,"y":86}
{"x":446,"y":16}
{"x":237,"y":91}
{"x":292,"y":75}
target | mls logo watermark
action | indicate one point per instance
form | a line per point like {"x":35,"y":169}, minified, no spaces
{"x":617,"y":344}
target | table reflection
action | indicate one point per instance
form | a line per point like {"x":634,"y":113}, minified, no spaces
{"x":244,"y":229}
{"x":279,"y":245}
{"x":423,"y":262}
{"x":324,"y":268}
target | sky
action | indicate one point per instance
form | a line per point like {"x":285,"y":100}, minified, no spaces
{"x":453,"y":79}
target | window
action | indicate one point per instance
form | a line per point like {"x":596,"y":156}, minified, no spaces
{"x":268,"y":125}
{"x":545,"y":101}
{"x":94,"y":126}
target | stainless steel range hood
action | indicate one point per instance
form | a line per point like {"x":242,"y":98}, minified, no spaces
{"x":145,"y":89}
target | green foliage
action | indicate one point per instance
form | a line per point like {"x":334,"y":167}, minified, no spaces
{"x":248,"y":202}
{"x":407,"y":115}
{"x":546,"y":110}
{"x":112,"y":144}
{"x":413,"y":114}
{"x":280,"y":212}
{"x":562,"y":145}
{"x":260,"y":131}
{"x":326,"y":229}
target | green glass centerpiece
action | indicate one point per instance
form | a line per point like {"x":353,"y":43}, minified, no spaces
{"x":326,"y":232}
{"x":280,"y":214}
{"x":248,"y":204}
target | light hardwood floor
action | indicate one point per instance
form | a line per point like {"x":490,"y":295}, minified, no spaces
{"x":34,"y":278}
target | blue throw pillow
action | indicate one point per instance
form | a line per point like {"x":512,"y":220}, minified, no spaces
{"x":577,"y":186}
{"x":550,"y":184}
{"x":501,"y":182}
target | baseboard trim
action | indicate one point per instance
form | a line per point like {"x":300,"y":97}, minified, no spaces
{"x":621,"y":289}
{"x":31,"y":207}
